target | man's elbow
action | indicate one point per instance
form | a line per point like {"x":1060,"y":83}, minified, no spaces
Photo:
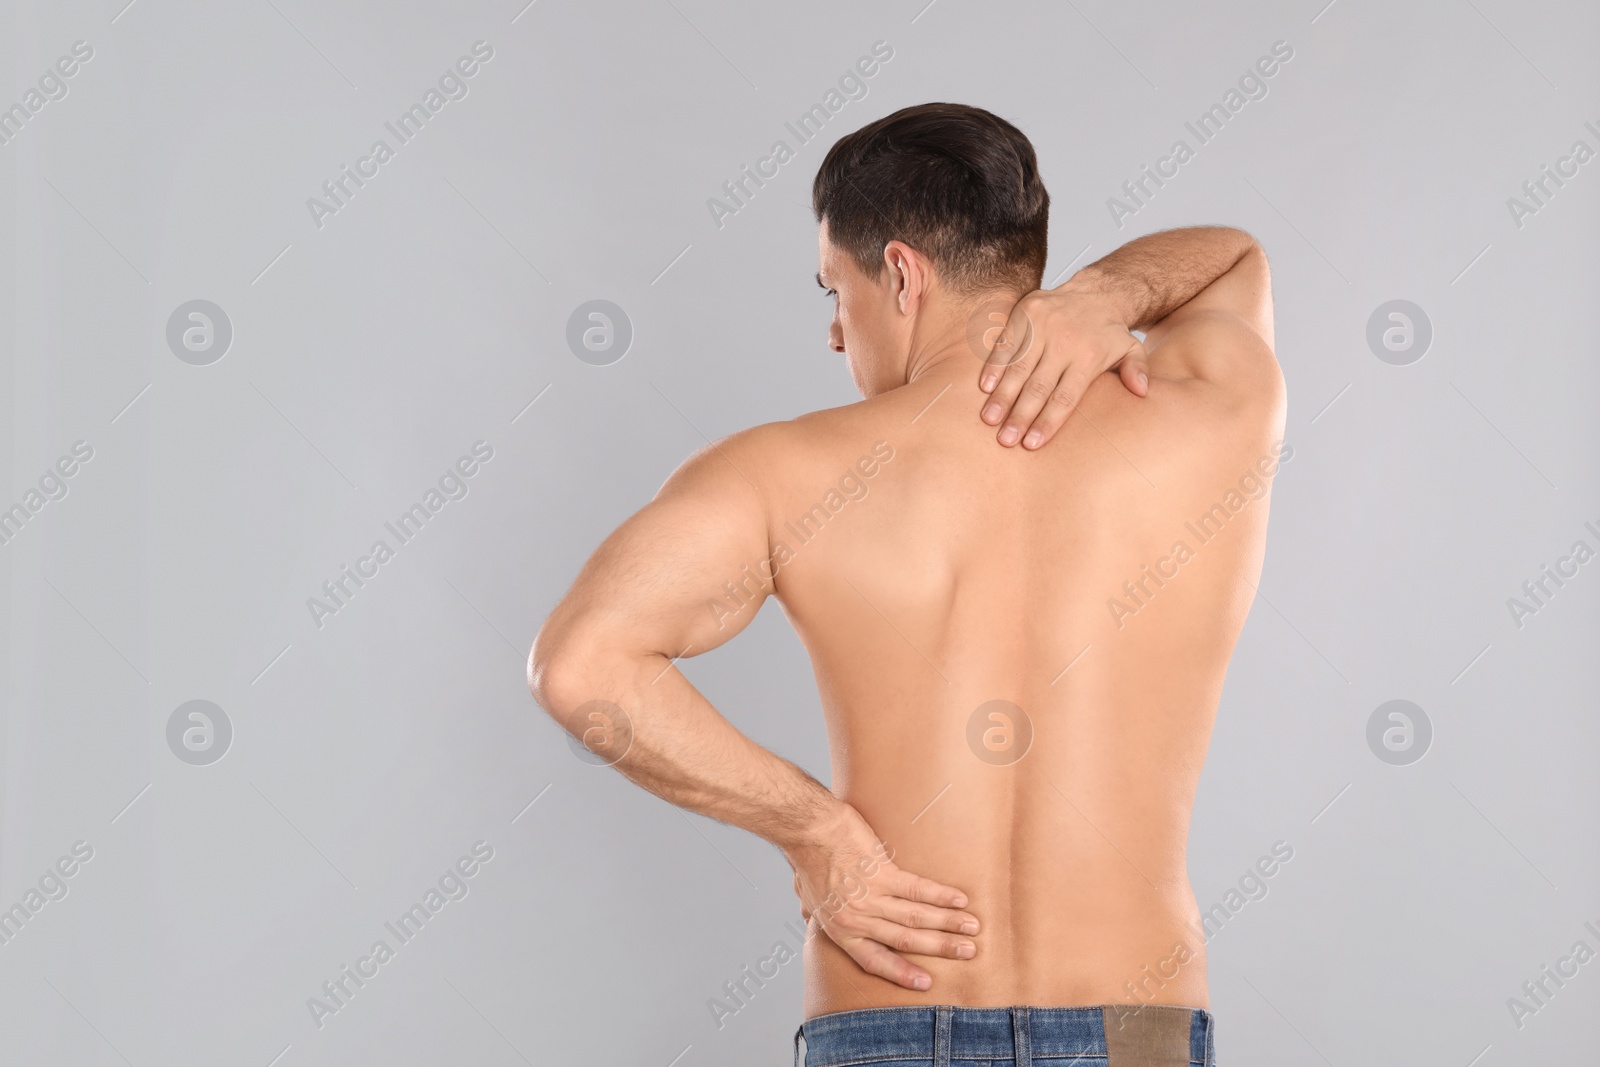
{"x":1253,"y":293}
{"x":573,"y":662}
{"x":557,"y":671}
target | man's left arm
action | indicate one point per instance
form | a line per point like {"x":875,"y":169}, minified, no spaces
{"x":603,"y":667}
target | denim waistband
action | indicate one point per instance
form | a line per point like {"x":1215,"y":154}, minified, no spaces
{"x":1152,"y":1035}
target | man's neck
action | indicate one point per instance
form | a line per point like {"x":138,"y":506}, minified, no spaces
{"x":934,"y":360}
{"x":947,"y":331}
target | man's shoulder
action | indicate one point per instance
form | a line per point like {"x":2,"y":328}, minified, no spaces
{"x":817,"y":435}
{"x":774,"y":456}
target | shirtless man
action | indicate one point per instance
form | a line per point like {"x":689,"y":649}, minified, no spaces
{"x":1019,"y":650}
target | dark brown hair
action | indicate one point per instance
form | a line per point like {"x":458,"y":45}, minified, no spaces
{"x":958,"y":184}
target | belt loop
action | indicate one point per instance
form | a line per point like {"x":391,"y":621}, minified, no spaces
{"x":941,"y":1036}
{"x":797,"y":1030}
{"x":1022,"y":1036}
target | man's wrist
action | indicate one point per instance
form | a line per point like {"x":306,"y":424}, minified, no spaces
{"x":1124,"y":299}
{"x":821,"y":823}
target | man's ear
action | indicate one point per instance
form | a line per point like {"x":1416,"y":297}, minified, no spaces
{"x":910,"y":274}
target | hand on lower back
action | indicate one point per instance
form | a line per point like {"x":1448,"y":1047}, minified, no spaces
{"x":875,"y":911}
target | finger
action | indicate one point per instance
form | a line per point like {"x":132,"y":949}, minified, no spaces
{"x":1013,"y":359}
{"x":920,"y":942}
{"x":875,"y":959}
{"x":922,"y":890}
{"x":1034,"y":362}
{"x":1059,"y":408}
{"x":927,"y":917}
{"x":1010,"y":332}
{"x":1012,"y":378}
{"x":1134,"y":370}
{"x":1132,"y":367}
{"x":1034,"y":395}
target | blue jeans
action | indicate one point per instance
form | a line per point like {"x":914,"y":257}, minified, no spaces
{"x":1111,"y":1036}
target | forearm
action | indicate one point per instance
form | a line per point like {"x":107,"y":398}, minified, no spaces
{"x":1149,"y":278}
{"x":685,"y":752}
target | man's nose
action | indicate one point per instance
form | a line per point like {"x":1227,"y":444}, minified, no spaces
{"x":836,"y":338}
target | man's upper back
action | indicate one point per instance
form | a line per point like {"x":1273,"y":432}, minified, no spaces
{"x":1141,"y":525}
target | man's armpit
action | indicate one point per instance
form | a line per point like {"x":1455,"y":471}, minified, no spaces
{"x":1216,"y":347}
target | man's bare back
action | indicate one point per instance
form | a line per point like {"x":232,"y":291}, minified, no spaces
{"x":1003,"y":710}
{"x":1019,"y":650}
{"x":1019,"y":655}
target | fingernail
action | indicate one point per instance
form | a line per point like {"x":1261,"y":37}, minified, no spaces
{"x":965,"y":952}
{"x":991,"y":414}
{"x":921,"y":981}
{"x":989,"y":382}
{"x":1144,"y":379}
{"x":961,"y":901}
{"x":969,"y":927}
{"x":1033,"y":439}
{"x":1009,"y":435}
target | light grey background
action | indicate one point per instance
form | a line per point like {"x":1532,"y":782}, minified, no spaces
{"x":370,"y":353}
